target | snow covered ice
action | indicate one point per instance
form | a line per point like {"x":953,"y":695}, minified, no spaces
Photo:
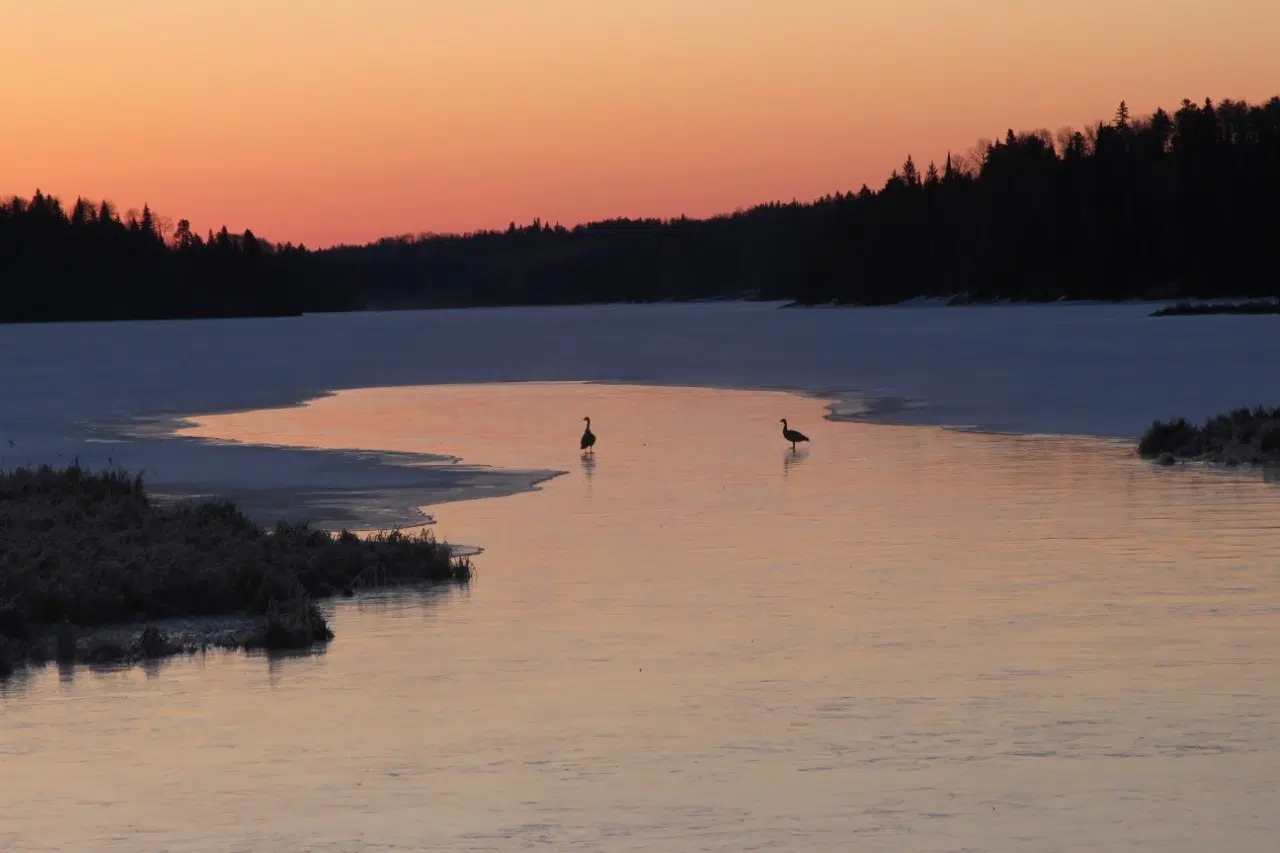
{"x":110,"y":392}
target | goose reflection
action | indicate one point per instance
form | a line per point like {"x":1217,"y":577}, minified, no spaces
{"x":589,"y":469}
{"x":792,"y":458}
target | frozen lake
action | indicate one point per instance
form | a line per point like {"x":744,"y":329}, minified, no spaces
{"x":896,"y":639}
{"x":1101,"y":370}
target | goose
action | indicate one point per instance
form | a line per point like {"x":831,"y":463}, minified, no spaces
{"x":790,"y":435}
{"x":588,"y":437}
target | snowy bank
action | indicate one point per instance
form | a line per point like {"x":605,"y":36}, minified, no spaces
{"x":109,"y":391}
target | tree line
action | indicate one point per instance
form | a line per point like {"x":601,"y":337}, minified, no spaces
{"x":1180,"y":204}
{"x":87,"y":263}
{"x":1170,"y":205}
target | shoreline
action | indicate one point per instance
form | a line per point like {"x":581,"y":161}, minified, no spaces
{"x":841,"y":406}
{"x":93,"y":569}
{"x":400,"y":505}
{"x":129,"y":643}
{"x":1200,"y":308}
{"x":1240,"y":437}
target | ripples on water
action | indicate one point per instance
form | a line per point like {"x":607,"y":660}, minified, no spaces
{"x":895,"y":639}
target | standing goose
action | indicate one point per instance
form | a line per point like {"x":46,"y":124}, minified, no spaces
{"x":588,"y":437}
{"x":792,"y":435}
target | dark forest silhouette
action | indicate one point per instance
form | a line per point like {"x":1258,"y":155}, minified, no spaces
{"x":1173,"y":205}
{"x":1179,"y":205}
{"x":88,"y":264}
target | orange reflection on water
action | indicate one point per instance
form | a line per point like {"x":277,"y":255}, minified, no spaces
{"x":1034,"y":544}
{"x":920,"y":638}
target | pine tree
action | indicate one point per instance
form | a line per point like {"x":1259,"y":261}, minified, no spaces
{"x":910,"y":174}
{"x":1122,"y":116}
{"x":931,"y":178}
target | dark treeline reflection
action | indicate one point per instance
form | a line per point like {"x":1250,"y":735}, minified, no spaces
{"x":1181,"y":204}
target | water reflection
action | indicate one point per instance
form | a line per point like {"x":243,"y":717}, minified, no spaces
{"x":66,"y":671}
{"x":926,"y":640}
{"x":282,"y":662}
{"x":149,"y":668}
{"x":396,"y":601}
{"x":17,"y":681}
{"x":402,"y":601}
{"x":792,"y":458}
{"x":588,"y":469}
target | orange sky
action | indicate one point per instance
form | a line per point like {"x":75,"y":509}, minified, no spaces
{"x":328,"y":121}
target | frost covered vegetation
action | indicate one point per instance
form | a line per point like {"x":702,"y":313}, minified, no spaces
{"x":1238,"y":437}
{"x":83,"y":551}
{"x":1180,"y":204}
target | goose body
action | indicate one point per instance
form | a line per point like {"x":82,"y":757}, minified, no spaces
{"x":792,"y":435}
{"x":588,"y":437}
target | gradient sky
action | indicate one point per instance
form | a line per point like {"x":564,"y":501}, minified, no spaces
{"x":328,"y":121}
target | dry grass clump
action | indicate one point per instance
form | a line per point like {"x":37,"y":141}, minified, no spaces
{"x":80,"y":550}
{"x":1240,"y":436}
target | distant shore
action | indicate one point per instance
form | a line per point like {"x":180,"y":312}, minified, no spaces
{"x":1135,"y":207}
{"x":1243,"y":436}
{"x":1183,"y":309}
{"x":92,"y":570}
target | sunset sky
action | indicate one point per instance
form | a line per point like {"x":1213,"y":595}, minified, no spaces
{"x":326,"y":121}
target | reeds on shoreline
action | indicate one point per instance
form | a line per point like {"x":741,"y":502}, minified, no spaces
{"x":84,"y":552}
{"x":1242,"y":436}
